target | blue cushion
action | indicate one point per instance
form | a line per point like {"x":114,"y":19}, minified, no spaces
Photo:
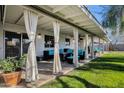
{"x":61,"y":51}
{"x":71,"y":57}
{"x":69,"y":51}
{"x":97,"y":49}
{"x":51,"y":52}
{"x":81,"y":52}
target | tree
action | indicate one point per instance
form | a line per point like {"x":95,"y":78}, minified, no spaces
{"x":113,"y":18}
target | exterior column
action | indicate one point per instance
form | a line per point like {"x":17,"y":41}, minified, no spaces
{"x":102,"y":46}
{"x":99,"y":47}
{"x":57,"y":68}
{"x":75,"y":57}
{"x":92,"y":47}
{"x":31,"y":19}
{"x":86,"y":46}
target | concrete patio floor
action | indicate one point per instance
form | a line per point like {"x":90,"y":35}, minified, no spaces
{"x":45,"y":74}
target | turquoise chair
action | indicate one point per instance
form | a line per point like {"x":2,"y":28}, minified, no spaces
{"x":81,"y":54}
{"x":70,"y":51}
{"x":51,"y":52}
{"x":61,"y":51}
{"x":70,"y":59}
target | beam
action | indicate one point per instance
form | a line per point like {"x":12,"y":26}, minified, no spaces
{"x":19,"y":18}
{"x":85,"y":24}
{"x":48,"y":13}
{"x":44,"y":20}
{"x":46,"y":24}
{"x":72,"y":15}
{"x":90,"y":26}
{"x":59,"y":8}
{"x":14,"y":28}
{"x":79,"y":20}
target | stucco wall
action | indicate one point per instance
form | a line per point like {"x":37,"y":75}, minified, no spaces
{"x":39,"y":41}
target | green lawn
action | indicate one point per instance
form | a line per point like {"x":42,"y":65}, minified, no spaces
{"x":104,"y":72}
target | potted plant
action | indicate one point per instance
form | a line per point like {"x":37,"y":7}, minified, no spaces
{"x":12,"y":70}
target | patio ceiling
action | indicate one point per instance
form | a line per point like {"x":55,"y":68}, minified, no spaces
{"x":77,"y":15}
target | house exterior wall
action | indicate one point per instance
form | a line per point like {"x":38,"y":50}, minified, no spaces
{"x":39,"y":41}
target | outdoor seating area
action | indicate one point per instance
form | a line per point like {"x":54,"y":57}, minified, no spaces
{"x":54,"y":39}
{"x":106,"y":71}
{"x":66,"y":55}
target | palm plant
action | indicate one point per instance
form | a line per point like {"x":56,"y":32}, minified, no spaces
{"x":113,"y":18}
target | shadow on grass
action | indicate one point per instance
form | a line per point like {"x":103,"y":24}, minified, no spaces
{"x":105,"y":63}
{"x":83,"y":81}
{"x":64,"y":84}
{"x":109,"y":59}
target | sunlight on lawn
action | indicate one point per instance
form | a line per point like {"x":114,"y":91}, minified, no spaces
{"x":106,"y":71}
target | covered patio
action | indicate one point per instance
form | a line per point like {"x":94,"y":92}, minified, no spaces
{"x":51,"y":28}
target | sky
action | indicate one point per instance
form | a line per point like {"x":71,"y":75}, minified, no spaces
{"x":97,"y":11}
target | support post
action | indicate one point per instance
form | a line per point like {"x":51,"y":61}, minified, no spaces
{"x":31,"y":20}
{"x":75,"y":57}
{"x":57,"y":68}
{"x":92,"y":47}
{"x":86,"y":46}
{"x":102,"y":46}
{"x":99,"y":47}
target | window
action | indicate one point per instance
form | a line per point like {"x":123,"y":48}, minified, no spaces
{"x":12,"y":44}
{"x":67,"y":42}
{"x":25,"y":43}
{"x":49,"y":41}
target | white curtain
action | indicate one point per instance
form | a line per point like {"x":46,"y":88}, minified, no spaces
{"x":75,"y":57}
{"x":92,"y":47}
{"x":57,"y":68}
{"x":31,"y":20}
{"x":86,"y":47}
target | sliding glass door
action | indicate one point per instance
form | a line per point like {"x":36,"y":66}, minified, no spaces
{"x":15,"y":44}
{"x":12,"y":44}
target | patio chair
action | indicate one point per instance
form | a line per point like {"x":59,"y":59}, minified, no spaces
{"x":81,"y":54}
{"x":48,"y":54}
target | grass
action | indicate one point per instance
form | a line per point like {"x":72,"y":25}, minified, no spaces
{"x":104,"y":72}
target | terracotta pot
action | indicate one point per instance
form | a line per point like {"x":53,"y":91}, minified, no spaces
{"x":12,"y":79}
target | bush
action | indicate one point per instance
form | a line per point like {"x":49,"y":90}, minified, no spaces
{"x":12,"y":64}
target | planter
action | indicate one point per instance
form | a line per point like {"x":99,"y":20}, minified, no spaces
{"x":12,"y":79}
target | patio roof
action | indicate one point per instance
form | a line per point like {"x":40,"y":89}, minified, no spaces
{"x":69,"y":15}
